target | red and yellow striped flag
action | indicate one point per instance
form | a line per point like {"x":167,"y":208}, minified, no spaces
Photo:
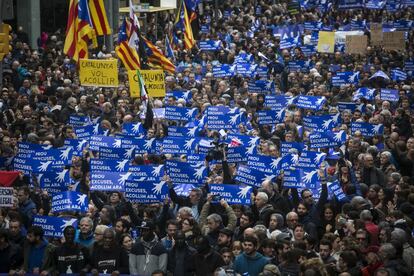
{"x":99,"y":18}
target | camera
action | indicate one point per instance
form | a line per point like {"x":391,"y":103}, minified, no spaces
{"x":216,"y":153}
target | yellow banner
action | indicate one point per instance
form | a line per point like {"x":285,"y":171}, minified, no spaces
{"x":154,"y":82}
{"x":326,"y":42}
{"x":94,"y":72}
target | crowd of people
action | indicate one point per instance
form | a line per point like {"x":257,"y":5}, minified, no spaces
{"x":285,"y":231}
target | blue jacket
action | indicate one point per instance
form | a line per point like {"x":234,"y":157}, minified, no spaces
{"x":253,"y":265}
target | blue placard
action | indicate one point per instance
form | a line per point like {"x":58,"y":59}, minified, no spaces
{"x":78,"y":120}
{"x":310,"y":102}
{"x":364,"y":92}
{"x":176,"y":145}
{"x":398,"y":75}
{"x":350,"y":4}
{"x":116,"y":153}
{"x":391,"y":95}
{"x":289,"y":147}
{"x":251,"y":176}
{"x":270,"y":117}
{"x":223,"y":71}
{"x":310,"y":159}
{"x":299,"y":65}
{"x":70,"y":201}
{"x":322,"y":122}
{"x":109,"y":181}
{"x":133,"y":129}
{"x":261,"y":86}
{"x":109,"y":165}
{"x":222,"y":117}
{"x":233,"y":194}
{"x":264,"y":163}
{"x":184,"y":132}
{"x":327,"y":139}
{"x":147,"y":172}
{"x":367,"y":129}
{"x":301,"y":178}
{"x":146,"y":191}
{"x":53,"y":226}
{"x":308,"y":50}
{"x":342,"y":78}
{"x":210,"y":45}
{"x":351,"y":106}
{"x":240,"y":153}
{"x":278,"y":101}
{"x":186,"y":173}
{"x":176,"y":113}
{"x":54,"y":182}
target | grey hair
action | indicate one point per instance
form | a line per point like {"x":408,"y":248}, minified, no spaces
{"x":387,"y":153}
{"x":399,"y":235}
{"x":263,"y":196}
{"x":366,"y":215}
{"x":186,"y":210}
{"x":389,"y":250}
{"x":86,"y":219}
{"x":215,"y":217}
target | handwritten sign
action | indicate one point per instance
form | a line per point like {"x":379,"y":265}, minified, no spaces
{"x":154,"y":82}
{"x":102,"y":73}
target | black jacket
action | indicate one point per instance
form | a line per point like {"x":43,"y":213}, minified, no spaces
{"x":109,"y":260}
{"x":71,"y":259}
{"x":181,"y":262}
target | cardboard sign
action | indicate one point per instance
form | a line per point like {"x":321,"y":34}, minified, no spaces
{"x":95,"y":72}
{"x":394,"y":41}
{"x":6,"y":197}
{"x":154,"y":82}
{"x":356,"y":44}
{"x":376,"y":34}
{"x":326,"y":42}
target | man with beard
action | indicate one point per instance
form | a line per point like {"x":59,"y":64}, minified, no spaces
{"x":181,"y":256}
{"x":70,"y":257}
{"x":250,"y":260}
{"x":34,"y":250}
{"x":148,"y":254}
{"x":109,"y":257}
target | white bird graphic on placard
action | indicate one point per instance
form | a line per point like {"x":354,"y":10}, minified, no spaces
{"x":148,"y":143}
{"x":120,"y":167}
{"x":123,"y":178}
{"x":81,"y":144}
{"x":190,"y":112}
{"x":275,"y":163}
{"x":157,"y":170}
{"x":117,"y":143}
{"x":81,"y":200}
{"x":189,"y":143}
{"x":253,"y":140}
{"x":128,"y":153}
{"x":95,"y":129}
{"x":67,"y":223}
{"x":376,"y":129}
{"x":158,"y":187}
{"x":44,"y":166}
{"x":250,"y":149}
{"x":233,"y":119}
{"x":64,"y":154}
{"x":307,"y":178}
{"x":60,"y":177}
{"x":243,"y":191}
{"x":338,"y":136}
{"x":326,"y":123}
{"x":318,"y":157}
{"x":136,"y":127}
{"x":353,"y":77}
{"x":191,"y":131}
{"x":199,"y":172}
